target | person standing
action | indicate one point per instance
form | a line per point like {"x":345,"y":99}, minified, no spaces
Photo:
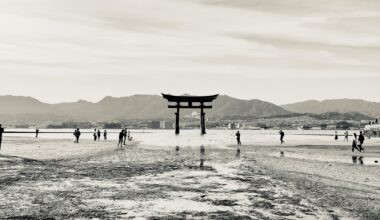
{"x":121,"y":137}
{"x":95,"y":135}
{"x":282,"y":135}
{"x":99,"y":134}
{"x":105,"y":134}
{"x":361,"y":141}
{"x":77,"y":135}
{"x":346,"y":136}
{"x":238,"y":138}
{"x":37,"y":131}
{"x":336,"y":135}
{"x":1,"y":135}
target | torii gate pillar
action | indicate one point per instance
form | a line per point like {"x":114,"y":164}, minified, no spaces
{"x":177,"y":121}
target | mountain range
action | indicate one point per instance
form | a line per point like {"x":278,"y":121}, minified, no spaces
{"x":28,"y":109}
{"x":335,"y":105}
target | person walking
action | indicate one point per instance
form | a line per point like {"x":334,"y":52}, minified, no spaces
{"x":282,"y":135}
{"x":346,"y":136}
{"x":121,"y":138}
{"x":361,"y":141}
{"x":1,"y":135}
{"x":355,"y":143}
{"x":105,"y":134}
{"x":37,"y":131}
{"x":95,"y":135}
{"x":238,"y":138}
{"x":336,"y":135}
{"x":99,"y":134}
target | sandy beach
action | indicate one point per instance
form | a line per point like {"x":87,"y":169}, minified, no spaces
{"x":58,"y":179}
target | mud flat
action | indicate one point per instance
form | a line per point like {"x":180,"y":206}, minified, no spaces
{"x":62,"y":180}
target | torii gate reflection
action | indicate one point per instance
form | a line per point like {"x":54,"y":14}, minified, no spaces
{"x":190,"y":100}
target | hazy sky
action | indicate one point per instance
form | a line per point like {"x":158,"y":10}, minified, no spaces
{"x":280,"y":51}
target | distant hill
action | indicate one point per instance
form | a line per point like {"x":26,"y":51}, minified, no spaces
{"x":354,"y":116}
{"x":336,"y":105}
{"x":28,"y":109}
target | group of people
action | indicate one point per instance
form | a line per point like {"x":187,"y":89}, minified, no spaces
{"x":358,"y":142}
{"x":97,"y":134}
{"x":123,"y":136}
{"x":374,"y":122}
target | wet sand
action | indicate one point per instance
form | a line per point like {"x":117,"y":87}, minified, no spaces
{"x":59,"y":179}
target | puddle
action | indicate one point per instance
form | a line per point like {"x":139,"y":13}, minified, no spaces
{"x":365,"y":160}
{"x":354,"y":159}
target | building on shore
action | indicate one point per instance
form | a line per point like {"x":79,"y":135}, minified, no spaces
{"x":166,"y":125}
{"x":154,"y":124}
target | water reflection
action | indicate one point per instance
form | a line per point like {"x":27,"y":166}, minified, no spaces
{"x":238,"y":153}
{"x":357,"y":160}
{"x":202,"y":156}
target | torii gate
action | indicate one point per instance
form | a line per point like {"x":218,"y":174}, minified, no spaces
{"x":190,"y":100}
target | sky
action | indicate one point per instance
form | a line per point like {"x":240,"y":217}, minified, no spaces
{"x":281,"y":51}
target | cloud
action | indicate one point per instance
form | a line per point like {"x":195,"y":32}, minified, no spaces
{"x":126,"y":47}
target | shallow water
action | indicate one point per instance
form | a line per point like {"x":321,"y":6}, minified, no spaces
{"x":218,"y":138}
{"x":354,"y":159}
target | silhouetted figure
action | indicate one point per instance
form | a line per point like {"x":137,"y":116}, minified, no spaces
{"x":238,"y":138}
{"x":37,"y":131}
{"x":377,"y":121}
{"x":1,"y":135}
{"x":105,"y":134}
{"x":95,"y":135}
{"x":125,"y":136}
{"x":336,"y":135}
{"x":346,"y":136}
{"x":77,"y":135}
{"x":121,"y":138}
{"x":361,"y":141}
{"x":99,"y":134}
{"x":282,"y":135}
